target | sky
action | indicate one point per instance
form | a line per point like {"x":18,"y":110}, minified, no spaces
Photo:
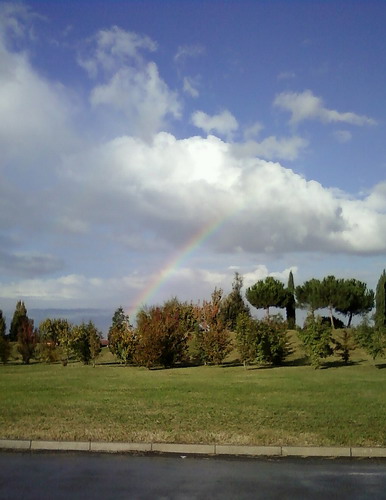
{"x":151,"y":149}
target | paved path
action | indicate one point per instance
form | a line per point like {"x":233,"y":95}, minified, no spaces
{"x":75,"y":476}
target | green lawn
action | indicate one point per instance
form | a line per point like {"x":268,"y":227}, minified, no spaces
{"x":290,"y":405}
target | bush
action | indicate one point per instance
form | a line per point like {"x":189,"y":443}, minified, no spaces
{"x":371,"y":338}
{"x":5,"y":349}
{"x":246,"y":334}
{"x":343,"y":344}
{"x":85,"y":342}
{"x":47,"y":352}
{"x":316,"y":338}
{"x":212,"y":341}
{"x":27,"y":339}
{"x":272,"y":345}
{"x":123,"y":342}
{"x":162,"y":335}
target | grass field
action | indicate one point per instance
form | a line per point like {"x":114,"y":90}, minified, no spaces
{"x":290,"y":405}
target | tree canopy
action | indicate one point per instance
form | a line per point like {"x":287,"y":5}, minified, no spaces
{"x":267,"y":293}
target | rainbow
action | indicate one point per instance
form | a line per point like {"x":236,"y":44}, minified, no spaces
{"x":159,"y":278}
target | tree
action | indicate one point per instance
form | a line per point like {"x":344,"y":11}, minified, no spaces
{"x":264,"y":341}
{"x":27,"y":339}
{"x":123,"y":338}
{"x":18,"y":318}
{"x":3,"y":326}
{"x":291,"y":303}
{"x":5,"y":348}
{"x":316,"y":338}
{"x":162,"y":335}
{"x":85,"y":342}
{"x":55,"y":336}
{"x":331,"y":290}
{"x":212,"y":339}
{"x":343,"y":344}
{"x":308,"y":295}
{"x":267,"y":293}
{"x":354,"y":298}
{"x":246,"y":338}
{"x":234,"y":304}
{"x":371,"y":338}
{"x":380,"y":302}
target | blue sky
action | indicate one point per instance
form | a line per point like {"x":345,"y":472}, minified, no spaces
{"x":126,"y":128}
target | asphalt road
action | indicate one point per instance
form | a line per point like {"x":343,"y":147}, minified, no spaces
{"x":44,"y":476}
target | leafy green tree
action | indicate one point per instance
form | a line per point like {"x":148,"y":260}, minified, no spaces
{"x":19,"y":316}
{"x":3,"y":326}
{"x":371,"y":338}
{"x":353,"y":299}
{"x":246,"y":333}
{"x":5,"y":348}
{"x":267,"y":293}
{"x":212,"y":337}
{"x":316,"y":338}
{"x":264,"y":341}
{"x":162,"y":335}
{"x":234,"y":304}
{"x":27,"y":339}
{"x":123,"y":338}
{"x":380,"y":302}
{"x":53,"y":335}
{"x":308,"y":295}
{"x":331,"y":290}
{"x":85,"y":342}
{"x":343,"y":344}
{"x":290,"y":302}
{"x":272,"y":344}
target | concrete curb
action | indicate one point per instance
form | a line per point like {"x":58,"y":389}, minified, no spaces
{"x":195,"y":449}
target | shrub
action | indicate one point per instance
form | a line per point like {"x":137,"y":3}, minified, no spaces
{"x":162,"y":335}
{"x":371,"y":338}
{"x":212,"y":336}
{"x":316,"y":338}
{"x":123,"y":338}
{"x":343,"y":344}
{"x":27,"y":339}
{"x":246,"y":333}
{"x":5,"y":349}
{"x":272,"y":345}
{"x":85,"y":342}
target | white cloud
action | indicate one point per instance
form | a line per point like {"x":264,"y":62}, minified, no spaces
{"x":35,"y":116}
{"x":307,"y":106}
{"x":224,"y":123}
{"x":111,"y":48}
{"x":286,"y":75}
{"x":177,"y":187}
{"x":142,"y":96}
{"x":253,"y":130}
{"x":16,"y":21}
{"x":186,"y":51}
{"x":133,"y":86}
{"x":261,"y":272}
{"x":190,"y":86}
{"x":272,"y":148}
{"x":343,"y":136}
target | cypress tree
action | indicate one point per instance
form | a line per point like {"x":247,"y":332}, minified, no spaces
{"x":380,"y":302}
{"x":291,"y":305}
{"x":19,"y":316}
{"x":3,"y":327}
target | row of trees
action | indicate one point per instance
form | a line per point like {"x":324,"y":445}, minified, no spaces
{"x":54,"y":339}
{"x":178,"y":332}
{"x":349,"y":297}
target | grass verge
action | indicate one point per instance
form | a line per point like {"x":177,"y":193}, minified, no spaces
{"x":290,"y":405}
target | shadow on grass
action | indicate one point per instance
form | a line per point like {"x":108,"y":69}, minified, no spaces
{"x":338,"y":364}
{"x":381,"y":366}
